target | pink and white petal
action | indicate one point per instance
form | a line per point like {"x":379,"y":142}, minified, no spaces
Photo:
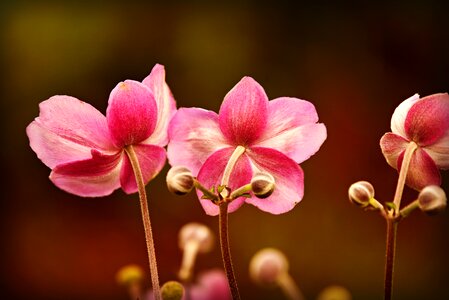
{"x":94,"y":177}
{"x":66,"y":130}
{"x":151,"y":160}
{"x":131,"y":113}
{"x":166,"y":105}
{"x":392,"y":146}
{"x":400,"y":114}
{"x":428,"y":120}
{"x":194,"y":135}
{"x":422,"y":170}
{"x":211,"y":173}
{"x":439,"y":152}
{"x":288,"y":176}
{"x":243,"y":113}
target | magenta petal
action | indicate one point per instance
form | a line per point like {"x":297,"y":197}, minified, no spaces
{"x":422,"y":170}
{"x":66,"y":130}
{"x":211,"y":173}
{"x":392,"y":146}
{"x":288,"y":176}
{"x":428,"y":119}
{"x":292,"y":128}
{"x":151,"y":160}
{"x":194,"y":136}
{"x":166,"y":105}
{"x":131,"y":113}
{"x":94,"y":177}
{"x":243,"y":113}
{"x":439,"y":152}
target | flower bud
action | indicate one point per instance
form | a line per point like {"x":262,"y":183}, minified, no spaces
{"x":197,"y":233}
{"x":172,"y":290}
{"x":361,"y":192}
{"x":262,"y":184}
{"x":267,"y":266}
{"x":432,"y":199}
{"x":334,"y":292}
{"x":180,"y":180}
{"x":129,"y":274}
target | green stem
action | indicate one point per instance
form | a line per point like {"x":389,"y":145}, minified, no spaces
{"x":409,"y":208}
{"x":146,"y":220}
{"x":392,"y":227}
{"x":226,"y":252}
{"x":205,"y":191}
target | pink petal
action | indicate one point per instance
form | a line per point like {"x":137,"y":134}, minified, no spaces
{"x":428,"y":119}
{"x":151,"y":160}
{"x":288,"y":176}
{"x":212,"y":285}
{"x":66,"y":130}
{"x":292,"y":129}
{"x":94,"y":177}
{"x":211,"y":173}
{"x":243,"y":113}
{"x":392,"y":146}
{"x":194,"y":135}
{"x":439,"y":152}
{"x":400,"y":114}
{"x":131,"y":113}
{"x":166,"y":105}
{"x":422,"y":170}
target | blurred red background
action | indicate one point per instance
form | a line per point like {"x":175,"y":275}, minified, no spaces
{"x":355,"y":62}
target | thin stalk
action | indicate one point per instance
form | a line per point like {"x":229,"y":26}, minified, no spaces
{"x":226,"y":251}
{"x":146,"y":221}
{"x":392,"y":227}
{"x":289,"y":287}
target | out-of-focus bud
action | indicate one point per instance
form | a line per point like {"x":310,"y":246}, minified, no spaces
{"x":334,"y":292}
{"x":267,"y":265}
{"x":131,"y":277}
{"x":361,"y":192}
{"x":262,"y":184}
{"x":180,"y":180}
{"x":172,"y":290}
{"x":432,"y":200}
{"x":194,"y":238}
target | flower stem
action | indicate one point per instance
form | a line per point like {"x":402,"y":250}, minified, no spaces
{"x":226,"y":252}
{"x":289,"y":287}
{"x":188,"y":260}
{"x":392,"y":227}
{"x":146,"y":220}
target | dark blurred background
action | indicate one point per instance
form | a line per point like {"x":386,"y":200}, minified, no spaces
{"x":356,"y":62}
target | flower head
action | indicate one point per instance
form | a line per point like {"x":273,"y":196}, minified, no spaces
{"x":85,"y":149}
{"x":268,"y":136}
{"x":425,"y":122}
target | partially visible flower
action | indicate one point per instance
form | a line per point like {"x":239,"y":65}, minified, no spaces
{"x":361,"y":192}
{"x":275,"y":137}
{"x":85,"y":149}
{"x":172,"y":290}
{"x":424,"y":121}
{"x":267,"y":266}
{"x":432,"y":200}
{"x":334,"y":292}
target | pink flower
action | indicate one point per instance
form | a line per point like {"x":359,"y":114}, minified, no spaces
{"x":276,"y":136}
{"x":85,"y":149}
{"x":424,"y":121}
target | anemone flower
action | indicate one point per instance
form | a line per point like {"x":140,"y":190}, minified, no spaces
{"x":92,"y":155}
{"x":421,"y":124}
{"x":262,"y":136}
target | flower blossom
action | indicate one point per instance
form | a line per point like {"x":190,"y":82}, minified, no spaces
{"x":86,"y":150}
{"x":425,"y":122}
{"x":270,"y":136}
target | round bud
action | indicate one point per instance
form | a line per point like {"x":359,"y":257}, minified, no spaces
{"x":361,"y":192}
{"x":267,"y":265}
{"x":172,"y":290}
{"x":198,"y":233}
{"x":262,"y":184}
{"x":129,"y":274}
{"x":180,"y":180}
{"x":432,"y":199}
{"x":334,"y":292}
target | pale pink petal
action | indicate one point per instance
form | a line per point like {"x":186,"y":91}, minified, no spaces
{"x":66,"y":130}
{"x":440,"y":152}
{"x":292,"y":128}
{"x":288,"y":176}
{"x":131,"y":113}
{"x":94,"y":177}
{"x":428,"y":119}
{"x":392,"y":146}
{"x":212,"y":285}
{"x":151,"y":160}
{"x":422,"y":170}
{"x":243,"y":113}
{"x":211,"y":173}
{"x":166,"y":105}
{"x":194,"y":135}
{"x":400,"y":114}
